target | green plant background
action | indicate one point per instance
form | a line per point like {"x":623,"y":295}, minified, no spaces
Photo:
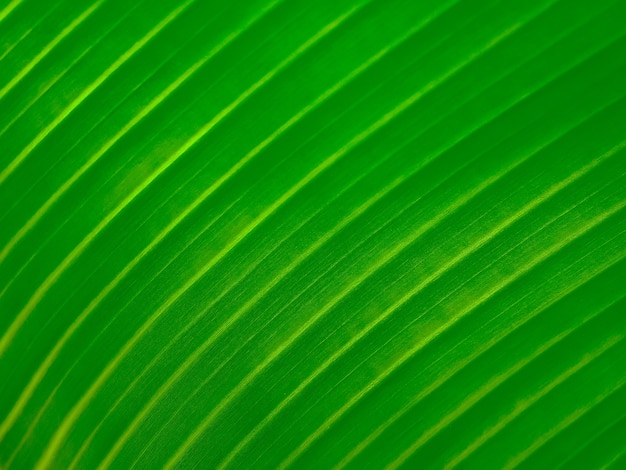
{"x":312,"y":234}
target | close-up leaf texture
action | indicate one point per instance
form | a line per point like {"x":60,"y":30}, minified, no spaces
{"x":267,"y":234}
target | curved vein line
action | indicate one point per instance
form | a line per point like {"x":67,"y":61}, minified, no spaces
{"x":428,"y":20}
{"x":483,"y":391}
{"x":432,"y":432}
{"x":27,"y":435}
{"x":260,"y":294}
{"x":34,"y":220}
{"x":192,"y":358}
{"x":110,"y":143}
{"x":564,"y":424}
{"x":411,"y":239}
{"x":359,"y":139}
{"x":441,"y":425}
{"x":13,"y":46}
{"x":276,"y":353}
{"x":146,"y":110}
{"x":527,"y":402}
{"x":579,"y":450}
{"x":210,"y":54}
{"x":33,"y":27}
{"x":356,"y":213}
{"x":46,"y":206}
{"x":426,"y":282}
{"x":408,"y":296}
{"x":123,"y":395}
{"x":477,"y":354}
{"x":161,"y":390}
{"x":359,"y":211}
{"x":9,"y":8}
{"x":46,"y":50}
{"x":52,"y":356}
{"x":80,"y":248}
{"x":42,"y":90}
{"x":344,"y":81}
{"x":70,"y":418}
{"x":230,"y":457}
{"x":614,"y":460}
{"x":90,"y":89}
{"x":495,"y":381}
{"x":41,"y":371}
{"x":360,"y":447}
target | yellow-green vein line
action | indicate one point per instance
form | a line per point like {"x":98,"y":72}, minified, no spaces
{"x":409,"y":295}
{"x":560,"y":427}
{"x":65,"y":426}
{"x":89,"y":90}
{"x":46,"y":50}
{"x":50,"y":358}
{"x":520,"y":407}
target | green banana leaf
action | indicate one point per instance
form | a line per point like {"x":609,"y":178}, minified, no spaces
{"x":313,"y":234}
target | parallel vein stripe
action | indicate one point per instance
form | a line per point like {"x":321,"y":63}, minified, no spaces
{"x":85,"y":445}
{"x":80,"y":248}
{"x":27,"y":435}
{"x":189,"y":103}
{"x":82,"y":403}
{"x":231,"y":247}
{"x":266,"y":289}
{"x":480,"y":393}
{"x":328,"y":162}
{"x":475,"y":397}
{"x":263,"y":291}
{"x":521,"y":406}
{"x":562,"y":426}
{"x":430,"y":19}
{"x":359,"y":211}
{"x":390,"y":255}
{"x":33,"y":221}
{"x":616,"y":462}
{"x":411,"y":239}
{"x":41,"y":212}
{"x":113,"y":140}
{"x":50,"y":358}
{"x":484,"y":349}
{"x":9,"y":8}
{"x":386,"y":258}
{"x":595,"y":438}
{"x":179,"y":334}
{"x":44,"y":88}
{"x":87,"y":91}
{"x":368,"y":440}
{"x":487,"y":387}
{"x":408,"y":296}
{"x":46,"y":50}
{"x":13,"y":46}
{"x":31,"y":27}
{"x":41,"y":91}
{"x":147,"y":408}
{"x":148,"y":368}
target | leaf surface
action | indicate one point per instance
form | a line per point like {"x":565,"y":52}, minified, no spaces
{"x":332,"y":234}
